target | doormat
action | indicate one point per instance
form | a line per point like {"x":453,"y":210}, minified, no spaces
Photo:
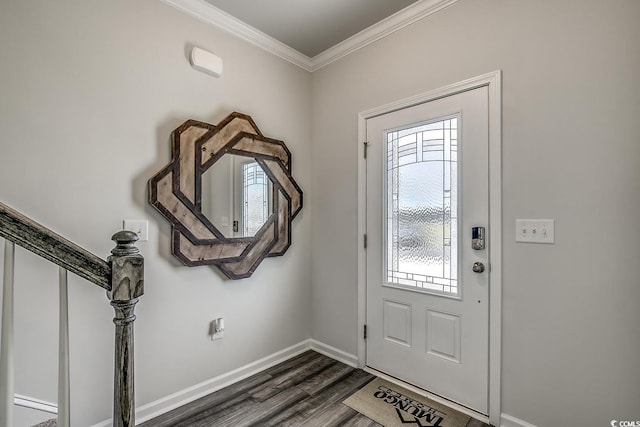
{"x":394,"y":406}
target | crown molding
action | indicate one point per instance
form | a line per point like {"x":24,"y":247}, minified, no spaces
{"x":210,"y":14}
{"x":407,"y":16}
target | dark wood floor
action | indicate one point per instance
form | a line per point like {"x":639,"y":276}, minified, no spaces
{"x":306,"y":390}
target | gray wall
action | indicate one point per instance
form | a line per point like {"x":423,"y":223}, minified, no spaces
{"x":90,"y":91}
{"x":571,"y":151}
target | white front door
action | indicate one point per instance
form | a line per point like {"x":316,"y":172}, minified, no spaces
{"x":427,"y":310}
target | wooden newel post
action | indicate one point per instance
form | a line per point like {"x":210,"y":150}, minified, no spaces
{"x":127,"y":284}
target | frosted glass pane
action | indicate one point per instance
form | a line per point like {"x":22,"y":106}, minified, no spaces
{"x":421,"y":207}
{"x":255,"y":207}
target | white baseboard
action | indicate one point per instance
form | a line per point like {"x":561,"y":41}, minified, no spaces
{"x":35,"y":404}
{"x":509,"y":421}
{"x":188,"y":395}
{"x":28,"y":411}
{"x":334,"y":353}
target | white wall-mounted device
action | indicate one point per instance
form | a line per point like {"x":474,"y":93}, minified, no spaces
{"x":206,"y":62}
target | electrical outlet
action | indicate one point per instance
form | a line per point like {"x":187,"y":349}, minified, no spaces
{"x":138,"y":226}
{"x":216,"y":329}
{"x":535,"y":231}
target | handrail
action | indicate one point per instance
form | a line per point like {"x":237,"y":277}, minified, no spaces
{"x":122,"y":275}
{"x":42,"y":241}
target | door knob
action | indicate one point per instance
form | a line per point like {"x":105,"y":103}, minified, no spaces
{"x":478,"y":267}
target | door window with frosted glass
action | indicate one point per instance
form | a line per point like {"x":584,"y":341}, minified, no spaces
{"x":421,"y":206}
{"x":256,"y":198}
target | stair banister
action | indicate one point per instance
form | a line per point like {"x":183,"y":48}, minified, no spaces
{"x":127,"y":284}
{"x":38,"y":239}
{"x":122,"y":276}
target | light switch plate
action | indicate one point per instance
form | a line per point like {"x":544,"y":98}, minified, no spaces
{"x":535,"y":231}
{"x":138,"y":226}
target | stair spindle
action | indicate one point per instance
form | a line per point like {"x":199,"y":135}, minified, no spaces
{"x":63,"y":353}
{"x":6,"y":337}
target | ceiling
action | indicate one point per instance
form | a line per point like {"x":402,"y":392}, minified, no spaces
{"x":311,"y":26}
{"x":310,"y":33}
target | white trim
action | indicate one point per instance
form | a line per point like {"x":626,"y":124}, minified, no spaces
{"x":407,"y":16}
{"x":182,"y":397}
{"x":425,"y":393}
{"x":33,"y":403}
{"x":509,"y":421}
{"x":212,"y":15}
{"x":334,"y":353}
{"x":362,"y":229}
{"x":493,"y":82}
{"x":188,"y":395}
{"x":495,"y":248}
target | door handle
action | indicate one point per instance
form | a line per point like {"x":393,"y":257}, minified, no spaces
{"x":478,"y":267}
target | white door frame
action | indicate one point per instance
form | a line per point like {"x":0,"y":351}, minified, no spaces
{"x":493,"y":82}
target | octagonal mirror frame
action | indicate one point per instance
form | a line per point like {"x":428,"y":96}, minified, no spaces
{"x":176,"y":192}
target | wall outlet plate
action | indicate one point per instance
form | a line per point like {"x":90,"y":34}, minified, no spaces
{"x":216,"y":329}
{"x":217,"y":336}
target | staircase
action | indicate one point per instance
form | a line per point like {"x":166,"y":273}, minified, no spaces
{"x":121,"y":275}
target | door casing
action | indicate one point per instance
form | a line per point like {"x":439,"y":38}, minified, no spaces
{"x":493,"y":82}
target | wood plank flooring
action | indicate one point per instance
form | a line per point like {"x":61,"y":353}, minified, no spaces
{"x":306,"y":390}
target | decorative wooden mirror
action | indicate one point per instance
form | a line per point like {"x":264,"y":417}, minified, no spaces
{"x":229,"y":195}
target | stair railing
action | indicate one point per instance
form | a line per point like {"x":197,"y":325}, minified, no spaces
{"x":121,"y":275}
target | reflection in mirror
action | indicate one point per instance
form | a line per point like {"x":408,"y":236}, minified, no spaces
{"x":237,"y":196}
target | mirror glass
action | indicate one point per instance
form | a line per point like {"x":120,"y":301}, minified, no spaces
{"x":237,"y":195}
